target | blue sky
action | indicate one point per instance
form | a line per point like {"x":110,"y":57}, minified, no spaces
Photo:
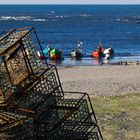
{"x":69,"y":1}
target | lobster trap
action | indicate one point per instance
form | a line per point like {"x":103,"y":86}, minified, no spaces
{"x":19,"y":62}
{"x":15,"y":123}
{"x":69,"y":118}
{"x":33,"y":104}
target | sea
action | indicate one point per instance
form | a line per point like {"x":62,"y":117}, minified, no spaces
{"x":62,"y":26}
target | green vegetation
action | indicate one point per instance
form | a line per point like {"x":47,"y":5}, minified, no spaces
{"x":118,"y":116}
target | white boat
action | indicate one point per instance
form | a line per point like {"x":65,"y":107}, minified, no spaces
{"x":77,"y":52}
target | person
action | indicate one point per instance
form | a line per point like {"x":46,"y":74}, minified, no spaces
{"x":111,"y":52}
{"x":107,"y":53}
{"x":100,"y":49}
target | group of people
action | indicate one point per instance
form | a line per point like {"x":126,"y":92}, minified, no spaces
{"x":102,"y":52}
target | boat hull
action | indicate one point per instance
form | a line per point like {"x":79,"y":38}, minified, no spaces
{"x":55,"y":54}
{"x":75,"y":54}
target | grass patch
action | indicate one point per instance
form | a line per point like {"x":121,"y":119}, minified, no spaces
{"x":118,"y":116}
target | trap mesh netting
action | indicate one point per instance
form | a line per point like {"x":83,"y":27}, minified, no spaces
{"x":33,"y":104}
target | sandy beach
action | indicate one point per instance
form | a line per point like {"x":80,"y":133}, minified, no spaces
{"x":101,"y":80}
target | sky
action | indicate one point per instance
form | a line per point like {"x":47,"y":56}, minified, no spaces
{"x":69,"y":1}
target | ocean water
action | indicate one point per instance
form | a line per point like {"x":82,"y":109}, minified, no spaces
{"x":62,"y":26}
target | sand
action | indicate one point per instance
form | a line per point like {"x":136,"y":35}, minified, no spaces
{"x":101,"y":80}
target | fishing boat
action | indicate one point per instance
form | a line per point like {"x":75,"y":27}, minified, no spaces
{"x":55,"y":54}
{"x":77,"y":52}
{"x":44,"y":54}
{"x":51,"y":53}
{"x":40,"y":55}
{"x":102,"y":52}
{"x":98,"y":52}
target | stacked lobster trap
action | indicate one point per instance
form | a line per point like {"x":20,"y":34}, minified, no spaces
{"x":33,"y":104}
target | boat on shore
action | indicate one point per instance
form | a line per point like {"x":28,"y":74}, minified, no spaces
{"x":40,"y":55}
{"x":77,"y":52}
{"x":50,"y":53}
{"x":55,"y":54}
{"x":102,"y":52}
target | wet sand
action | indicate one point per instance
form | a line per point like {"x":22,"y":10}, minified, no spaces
{"x":101,"y":80}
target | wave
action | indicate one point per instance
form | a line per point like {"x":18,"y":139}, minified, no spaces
{"x":20,"y":18}
{"x":49,"y":16}
{"x":52,"y":12}
{"x":15,"y":17}
{"x":134,"y":19}
{"x":61,"y":16}
{"x":73,"y":15}
{"x":38,"y":20}
{"x":84,"y":15}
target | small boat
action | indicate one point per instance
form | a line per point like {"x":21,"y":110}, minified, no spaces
{"x":44,"y":54}
{"x":40,"y":55}
{"x":102,"y":52}
{"x":51,"y":53}
{"x":55,"y":54}
{"x":98,"y":52}
{"x":77,"y":53}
